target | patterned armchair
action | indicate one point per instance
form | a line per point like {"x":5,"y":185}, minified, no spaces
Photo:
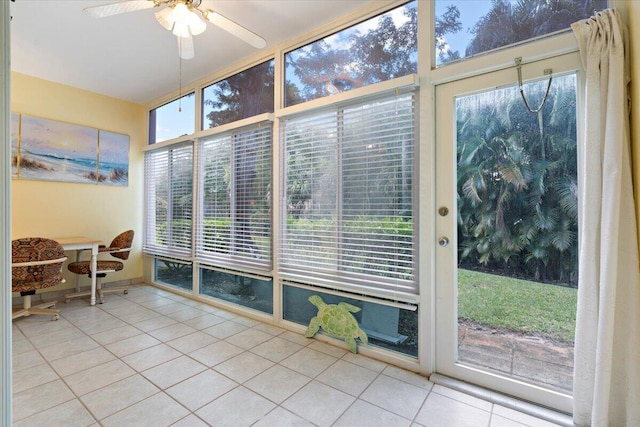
{"x":120,"y":248}
{"x":36,"y":263}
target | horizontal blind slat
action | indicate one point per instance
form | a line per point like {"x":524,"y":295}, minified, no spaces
{"x":347,"y":205}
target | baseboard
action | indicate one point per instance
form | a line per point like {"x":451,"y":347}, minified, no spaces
{"x":43,"y":295}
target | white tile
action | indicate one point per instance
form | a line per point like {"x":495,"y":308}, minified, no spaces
{"x":81,"y":361}
{"x":185,"y":314}
{"x":38,"y":399}
{"x":308,"y":362}
{"x":68,"y":414}
{"x":170,"y":308}
{"x":225,"y":329}
{"x":173,"y":371}
{"x":408,"y":377}
{"x":139,"y":315}
{"x":190,"y":421}
{"x":296,"y":338}
{"x":119,"y":395}
{"x":276,"y":349}
{"x":319,"y":403}
{"x":33,"y":377}
{"x":172,"y":332}
{"x":520,"y":417}
{"x":201,"y":389}
{"x":270,"y":329}
{"x":156,"y":322}
{"x":244,"y":366}
{"x":246,"y":321}
{"x":463,"y":397}
{"x":215,"y":353}
{"x":100,"y":325}
{"x":117,"y":334}
{"x":91,"y":379}
{"x":240,"y":407}
{"x":248,"y":338}
{"x":280,"y":417}
{"x":498,"y":421}
{"x":396,"y":396}
{"x":439,"y":410}
{"x":132,"y":345}
{"x":150,"y":357}
{"x":192,"y":342}
{"x":347,"y":377}
{"x":205,"y":320}
{"x":328,"y":348}
{"x":363,"y":414}
{"x":365,"y":362}
{"x":26,"y":360}
{"x":57,"y":337}
{"x":277,"y":383}
{"x":156,"y":411}
{"x":68,"y":348}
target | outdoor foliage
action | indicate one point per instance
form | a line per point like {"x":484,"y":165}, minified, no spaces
{"x":517,"y":183}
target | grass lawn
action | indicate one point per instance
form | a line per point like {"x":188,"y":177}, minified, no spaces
{"x":517,"y":305}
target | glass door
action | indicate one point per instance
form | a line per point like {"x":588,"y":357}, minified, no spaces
{"x":507,"y":261}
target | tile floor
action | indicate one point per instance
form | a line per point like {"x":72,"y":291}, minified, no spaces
{"x":152,"y":358}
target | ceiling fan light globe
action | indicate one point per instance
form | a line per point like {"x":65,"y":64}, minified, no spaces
{"x":181,"y":29}
{"x":196,"y":25}
{"x":165,"y":18}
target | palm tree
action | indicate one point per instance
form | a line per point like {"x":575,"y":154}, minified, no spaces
{"x":517,"y":202}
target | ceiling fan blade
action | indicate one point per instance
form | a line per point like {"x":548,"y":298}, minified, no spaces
{"x":185,"y":47}
{"x":117,"y":8}
{"x":236,"y":29}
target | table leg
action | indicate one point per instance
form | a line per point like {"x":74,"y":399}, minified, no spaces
{"x":94,"y":268}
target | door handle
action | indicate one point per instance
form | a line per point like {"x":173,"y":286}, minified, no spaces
{"x":443,"y":241}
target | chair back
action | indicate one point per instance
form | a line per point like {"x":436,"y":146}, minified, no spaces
{"x":123,"y":241}
{"x":36,"y":263}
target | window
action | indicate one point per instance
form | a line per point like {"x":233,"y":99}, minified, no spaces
{"x":463,"y":28}
{"x":245,"y":94}
{"x":348,"y":200}
{"x":177,"y":118}
{"x":234,"y":202}
{"x":168,"y":196}
{"x":381,"y":48}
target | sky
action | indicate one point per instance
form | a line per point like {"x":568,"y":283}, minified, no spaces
{"x":181,"y":123}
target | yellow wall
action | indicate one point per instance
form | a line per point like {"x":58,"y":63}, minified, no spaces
{"x":50,"y":209}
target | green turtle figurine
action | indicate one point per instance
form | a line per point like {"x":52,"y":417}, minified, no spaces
{"x":337,"y":321}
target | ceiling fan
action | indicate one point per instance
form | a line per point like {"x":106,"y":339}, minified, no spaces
{"x":185,"y":18}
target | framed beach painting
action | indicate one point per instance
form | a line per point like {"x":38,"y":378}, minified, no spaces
{"x":51,"y":150}
{"x":57,"y":151}
{"x":15,"y":143}
{"x":113,"y":158}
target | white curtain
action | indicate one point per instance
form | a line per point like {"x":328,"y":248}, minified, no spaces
{"x":606,"y":385}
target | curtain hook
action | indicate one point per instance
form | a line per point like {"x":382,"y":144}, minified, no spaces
{"x":547,"y":72}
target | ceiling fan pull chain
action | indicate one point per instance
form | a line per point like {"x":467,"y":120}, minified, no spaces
{"x":180,"y":78}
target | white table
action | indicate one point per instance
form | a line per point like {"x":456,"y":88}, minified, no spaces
{"x":80,"y":243}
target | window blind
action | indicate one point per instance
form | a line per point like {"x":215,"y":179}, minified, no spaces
{"x":347,"y":205}
{"x":168,"y":201}
{"x":234,"y":182}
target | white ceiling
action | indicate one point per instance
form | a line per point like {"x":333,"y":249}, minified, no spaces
{"x":131,"y":57}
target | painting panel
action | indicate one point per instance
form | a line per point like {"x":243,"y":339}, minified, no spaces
{"x":57,"y":151}
{"x":15,"y":143}
{"x":113,"y":158}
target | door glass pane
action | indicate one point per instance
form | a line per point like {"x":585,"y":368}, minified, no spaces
{"x":517,"y":231}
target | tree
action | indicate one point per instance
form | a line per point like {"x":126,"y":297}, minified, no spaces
{"x":517,"y":182}
{"x":510,"y":22}
{"x":245,"y":94}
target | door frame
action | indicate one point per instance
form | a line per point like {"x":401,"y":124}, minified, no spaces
{"x":446,"y":318}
